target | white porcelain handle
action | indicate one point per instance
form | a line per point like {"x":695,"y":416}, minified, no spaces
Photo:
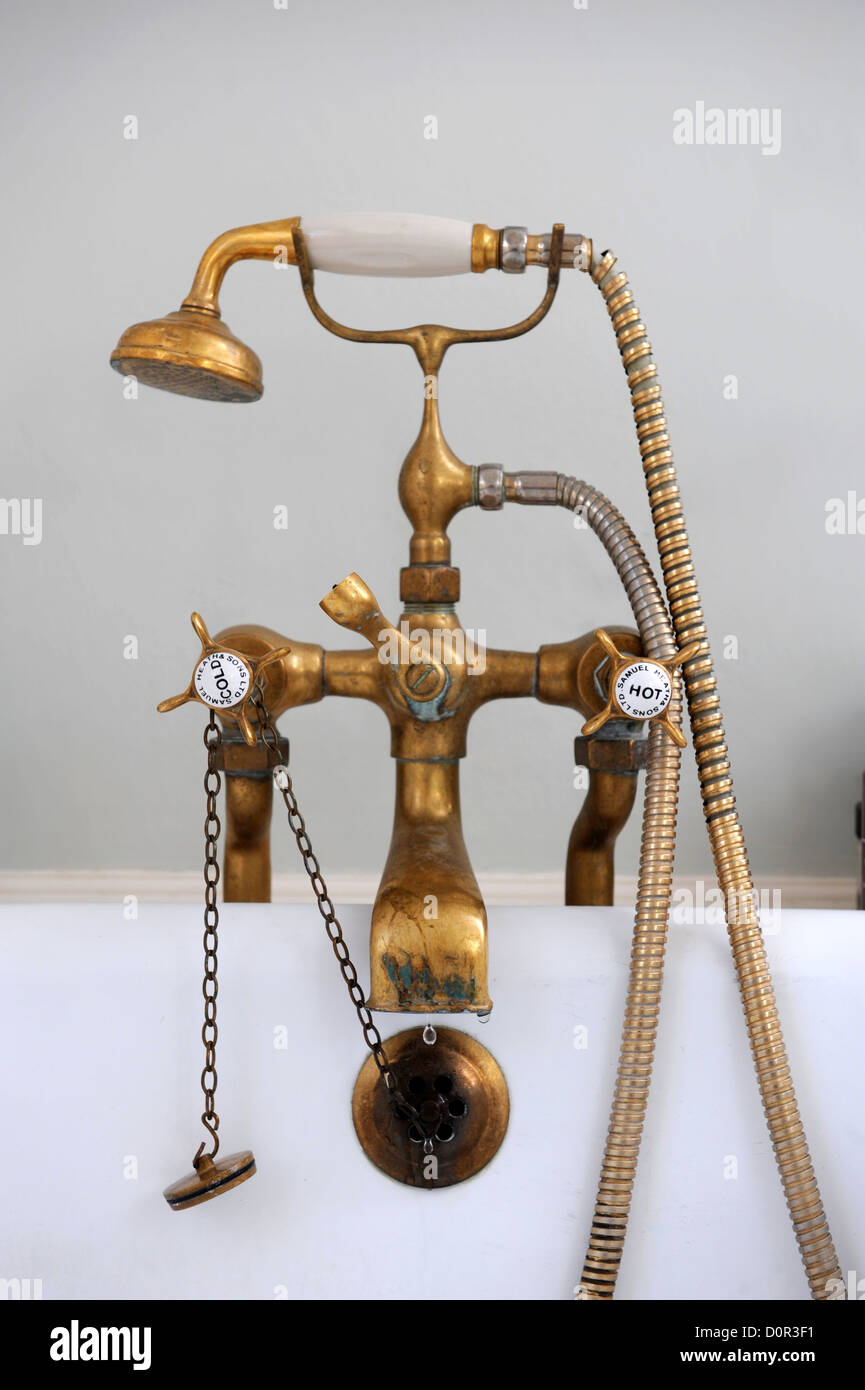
{"x":388,"y":243}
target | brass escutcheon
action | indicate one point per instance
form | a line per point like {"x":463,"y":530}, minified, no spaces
{"x":460,"y":1094}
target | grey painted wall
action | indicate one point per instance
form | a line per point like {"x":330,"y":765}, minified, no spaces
{"x":743,"y":262}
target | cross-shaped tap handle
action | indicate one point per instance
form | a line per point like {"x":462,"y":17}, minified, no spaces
{"x":223,"y":679}
{"x":640,"y":689}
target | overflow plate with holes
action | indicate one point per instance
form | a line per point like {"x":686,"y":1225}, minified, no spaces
{"x":460,"y":1094}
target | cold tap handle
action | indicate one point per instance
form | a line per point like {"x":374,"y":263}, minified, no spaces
{"x":224,"y":679}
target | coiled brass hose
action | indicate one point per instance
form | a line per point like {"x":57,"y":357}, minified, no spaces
{"x":725,"y":835}
{"x":658,"y":847}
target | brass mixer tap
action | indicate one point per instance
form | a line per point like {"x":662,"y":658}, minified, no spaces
{"x":428,"y":934}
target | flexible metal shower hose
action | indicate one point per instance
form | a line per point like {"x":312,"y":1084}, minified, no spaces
{"x":658,"y":848}
{"x":725,"y":835}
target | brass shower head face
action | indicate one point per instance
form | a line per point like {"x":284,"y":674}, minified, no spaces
{"x":192,"y":353}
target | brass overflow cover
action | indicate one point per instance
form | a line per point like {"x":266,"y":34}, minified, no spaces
{"x":461,"y":1097}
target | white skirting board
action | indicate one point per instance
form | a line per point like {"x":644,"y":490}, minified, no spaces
{"x":155,"y":885}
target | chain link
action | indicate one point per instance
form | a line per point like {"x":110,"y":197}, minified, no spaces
{"x":210,"y":986}
{"x":371,"y":1035}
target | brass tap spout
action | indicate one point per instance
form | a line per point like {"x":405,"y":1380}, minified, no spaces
{"x":428,"y":936}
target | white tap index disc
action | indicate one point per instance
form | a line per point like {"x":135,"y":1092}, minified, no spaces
{"x":221,"y":680}
{"x":643,"y":690}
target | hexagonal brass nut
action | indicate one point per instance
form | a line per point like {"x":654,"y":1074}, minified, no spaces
{"x":429,"y":584}
{"x":622,"y":755}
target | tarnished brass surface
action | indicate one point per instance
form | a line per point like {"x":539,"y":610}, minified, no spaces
{"x":191,"y":353}
{"x":428,"y":933}
{"x":428,"y":936}
{"x":248,"y":806}
{"x":210,"y":1179}
{"x":429,"y":584}
{"x":576,"y":673}
{"x":434,"y":484}
{"x":352,"y":604}
{"x":297,"y":678}
{"x":613,"y":763}
{"x":237,"y":759}
{"x":459,"y":1089}
{"x":253,"y":667}
{"x":418,"y":962}
{"x":428,"y":943}
{"x":246,"y":866}
{"x":262,"y":241}
{"x":601,"y":754}
{"x":589,"y":867}
{"x":485,"y":247}
{"x":429,"y":703}
{"x":428,"y":947}
{"x":621,"y":661}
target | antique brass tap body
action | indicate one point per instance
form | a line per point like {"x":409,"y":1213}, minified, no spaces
{"x":429,"y":928}
{"x":428,"y":936}
{"x":428,"y":939}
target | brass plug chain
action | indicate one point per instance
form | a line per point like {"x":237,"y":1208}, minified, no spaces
{"x":210,"y":987}
{"x":371,"y":1035}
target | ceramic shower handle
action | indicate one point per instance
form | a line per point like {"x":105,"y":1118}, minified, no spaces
{"x":388,"y":243}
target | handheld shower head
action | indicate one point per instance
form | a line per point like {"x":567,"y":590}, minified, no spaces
{"x":192,"y":353}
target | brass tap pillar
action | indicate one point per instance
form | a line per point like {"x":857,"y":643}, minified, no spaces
{"x":428,"y":936}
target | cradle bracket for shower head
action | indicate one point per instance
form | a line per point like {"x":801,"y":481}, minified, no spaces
{"x":430,"y":341}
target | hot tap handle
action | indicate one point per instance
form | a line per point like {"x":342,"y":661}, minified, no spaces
{"x":639,"y":688}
